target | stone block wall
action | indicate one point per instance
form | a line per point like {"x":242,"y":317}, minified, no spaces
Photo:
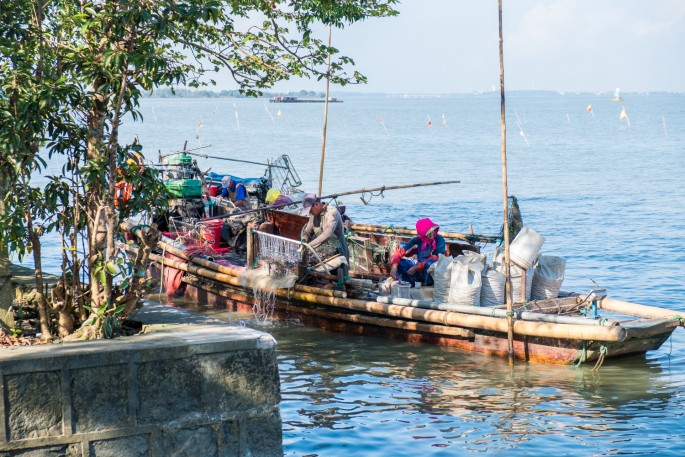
{"x":184,"y":390}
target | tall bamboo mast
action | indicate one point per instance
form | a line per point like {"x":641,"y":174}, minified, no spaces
{"x":325,"y":115}
{"x":505,"y":192}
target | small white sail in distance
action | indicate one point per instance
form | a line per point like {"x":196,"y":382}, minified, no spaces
{"x":617,"y":95}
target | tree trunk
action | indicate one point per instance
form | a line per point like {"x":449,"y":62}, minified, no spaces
{"x":6,"y":292}
{"x":95,"y":207}
{"x":34,"y":240}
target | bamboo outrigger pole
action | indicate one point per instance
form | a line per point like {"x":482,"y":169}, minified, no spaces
{"x":359,"y":191}
{"x":505,"y":196}
{"x":325,"y":115}
{"x":384,"y":188}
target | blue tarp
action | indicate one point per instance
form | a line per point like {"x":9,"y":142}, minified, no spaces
{"x":215,"y":178}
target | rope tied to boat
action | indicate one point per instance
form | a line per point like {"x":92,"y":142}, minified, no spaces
{"x":444,"y":317}
{"x":366,"y":201}
{"x":603,"y":350}
{"x":583,"y":355}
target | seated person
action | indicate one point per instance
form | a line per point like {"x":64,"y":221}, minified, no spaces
{"x":272,"y":195}
{"x":427,"y":245}
{"x":347,"y":221}
{"x":282,"y":201}
{"x":235,"y":192}
{"x":324,"y":230}
{"x":276,"y":200}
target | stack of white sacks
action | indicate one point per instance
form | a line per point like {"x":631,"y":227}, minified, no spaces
{"x":469,"y":280}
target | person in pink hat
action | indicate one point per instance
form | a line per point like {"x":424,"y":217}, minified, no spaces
{"x":426,"y":247}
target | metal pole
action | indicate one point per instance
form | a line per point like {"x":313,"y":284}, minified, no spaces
{"x":505,"y":196}
{"x":325,"y":116}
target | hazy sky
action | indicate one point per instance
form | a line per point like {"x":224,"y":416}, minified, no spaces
{"x":443,"y":46}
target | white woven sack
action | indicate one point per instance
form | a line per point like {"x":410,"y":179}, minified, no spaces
{"x":549,"y":274}
{"x":516,"y":273}
{"x":466,"y":279}
{"x":516,"y":279}
{"x":492,"y":289}
{"x":441,"y":271}
{"x":498,"y":259}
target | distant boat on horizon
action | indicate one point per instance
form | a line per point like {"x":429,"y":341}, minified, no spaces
{"x":617,"y":95}
{"x":286,"y":99}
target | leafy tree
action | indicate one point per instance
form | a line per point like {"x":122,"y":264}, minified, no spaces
{"x":33,"y":95}
{"x":103,"y":56}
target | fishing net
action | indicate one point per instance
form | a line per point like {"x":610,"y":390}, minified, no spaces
{"x":278,"y":258}
{"x":514,"y":218}
{"x":283,"y":176}
{"x":264,"y":281}
{"x":280,"y":251}
{"x":200,"y":233}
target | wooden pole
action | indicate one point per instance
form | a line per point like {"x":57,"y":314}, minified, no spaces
{"x":249,"y":264}
{"x":505,"y":196}
{"x":325,"y":115}
{"x":412,"y":232}
{"x":451,"y":319}
{"x":384,"y":188}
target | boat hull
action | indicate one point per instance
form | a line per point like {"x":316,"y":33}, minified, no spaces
{"x":531,"y":349}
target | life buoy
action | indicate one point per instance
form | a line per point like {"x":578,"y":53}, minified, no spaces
{"x":123,"y":190}
{"x":122,"y":193}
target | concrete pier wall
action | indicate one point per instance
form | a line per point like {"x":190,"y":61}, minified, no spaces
{"x":179,"y":389}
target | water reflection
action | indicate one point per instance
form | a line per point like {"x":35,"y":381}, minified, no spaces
{"x":442,"y":398}
{"x":347,"y":393}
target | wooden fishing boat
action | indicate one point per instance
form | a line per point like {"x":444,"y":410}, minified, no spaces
{"x":568,"y":329}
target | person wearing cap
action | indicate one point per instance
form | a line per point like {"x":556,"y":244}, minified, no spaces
{"x":425,"y":246}
{"x":324,"y":230}
{"x":235,"y":192}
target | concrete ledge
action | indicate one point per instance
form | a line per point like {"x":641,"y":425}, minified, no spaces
{"x":186,"y":383}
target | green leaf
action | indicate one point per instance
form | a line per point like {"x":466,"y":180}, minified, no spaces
{"x":107,"y":327}
{"x":112,"y":268}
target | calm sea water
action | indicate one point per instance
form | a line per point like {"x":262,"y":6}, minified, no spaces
{"x":606,"y":194}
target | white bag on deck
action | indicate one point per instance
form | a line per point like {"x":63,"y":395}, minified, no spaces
{"x":466,"y":279}
{"x":549,"y":274}
{"x":441,"y":271}
{"x":516,"y":277}
{"x":492,"y":290}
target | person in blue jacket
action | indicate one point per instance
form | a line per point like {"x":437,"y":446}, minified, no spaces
{"x":426,"y":247}
{"x":235,"y":192}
